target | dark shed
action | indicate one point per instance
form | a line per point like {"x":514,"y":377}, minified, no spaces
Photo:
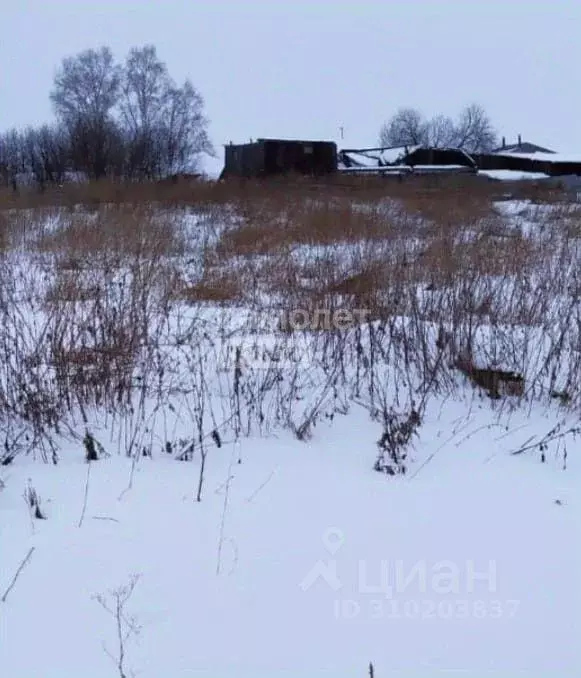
{"x":555,"y":168}
{"x":496,"y":161}
{"x":267,"y":157}
{"x":439,"y":156}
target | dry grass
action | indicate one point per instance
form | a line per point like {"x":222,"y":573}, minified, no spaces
{"x":97,"y":275}
{"x":122,"y":231}
{"x":213,"y":287}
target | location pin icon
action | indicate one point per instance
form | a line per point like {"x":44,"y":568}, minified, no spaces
{"x":333,"y":540}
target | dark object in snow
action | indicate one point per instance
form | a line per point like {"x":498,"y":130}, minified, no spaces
{"x":563,"y":396}
{"x":90,"y":447}
{"x":398,"y":432}
{"x":93,"y":448}
{"x":496,"y":383}
{"x":187,"y":448}
{"x":216,"y":438}
{"x":33,"y":501}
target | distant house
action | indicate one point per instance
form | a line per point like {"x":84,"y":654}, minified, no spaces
{"x":271,"y":157}
{"x":536,"y":161}
{"x":405,"y":160}
{"x":372,"y":158}
{"x":521,"y":147}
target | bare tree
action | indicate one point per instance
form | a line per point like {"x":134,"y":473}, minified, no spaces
{"x":184,"y":132}
{"x":96,"y":147}
{"x":31,"y":156}
{"x":87,"y":86}
{"x":472,"y":131}
{"x":406,"y":128}
{"x":145,"y":82}
{"x":129,"y":121}
{"x":12,"y":162}
{"x":85,"y":93}
{"x":54,"y":150}
{"x":440,"y":132}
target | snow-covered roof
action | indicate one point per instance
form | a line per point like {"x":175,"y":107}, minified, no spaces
{"x":545,"y":157}
{"x":377,"y":157}
{"x":407,"y":169}
{"x":393,"y":155}
{"x":522,"y":147}
{"x":362,"y":159}
{"x":375,"y":169}
{"x":513,"y":175}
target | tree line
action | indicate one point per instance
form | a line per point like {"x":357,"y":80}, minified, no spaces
{"x":125,"y":120}
{"x":471,"y":131}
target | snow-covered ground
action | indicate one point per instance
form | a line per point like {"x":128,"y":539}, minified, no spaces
{"x":299,"y":558}
{"x":470,"y":562}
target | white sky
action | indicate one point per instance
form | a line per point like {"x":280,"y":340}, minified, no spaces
{"x":304,"y":68}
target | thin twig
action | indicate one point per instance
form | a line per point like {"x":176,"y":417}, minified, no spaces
{"x":86,"y":494}
{"x":224,"y":509}
{"x":18,"y":571}
{"x":549,"y":438}
{"x":260,"y":487}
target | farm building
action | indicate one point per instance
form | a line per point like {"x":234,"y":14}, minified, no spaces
{"x":373,"y":157}
{"x":521,"y":161}
{"x":269,"y":157}
{"x":432,"y":157}
{"x":405,"y":160}
{"x":521,"y":147}
{"x":552,"y":164}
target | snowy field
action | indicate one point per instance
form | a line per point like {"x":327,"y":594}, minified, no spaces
{"x":231,"y":522}
{"x":485,"y":542}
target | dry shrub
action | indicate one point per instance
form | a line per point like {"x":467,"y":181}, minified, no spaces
{"x":444,"y":259}
{"x":4,"y":232}
{"x":275,"y":226}
{"x":450,"y":208}
{"x":360,"y":284}
{"x":253,"y":238}
{"x":117,"y":232}
{"x":70,"y":289}
{"x":181,"y":192}
{"x":218,"y":287}
{"x":93,"y":375}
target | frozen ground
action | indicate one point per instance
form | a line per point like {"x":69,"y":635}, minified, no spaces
{"x":306,"y":531}
{"x":299,"y":559}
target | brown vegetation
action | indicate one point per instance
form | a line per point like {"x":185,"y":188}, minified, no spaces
{"x":101,"y":280}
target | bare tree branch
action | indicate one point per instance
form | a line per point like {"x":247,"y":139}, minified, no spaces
{"x":472,"y":131}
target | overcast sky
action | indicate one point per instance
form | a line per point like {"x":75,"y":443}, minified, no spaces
{"x":305,"y":68}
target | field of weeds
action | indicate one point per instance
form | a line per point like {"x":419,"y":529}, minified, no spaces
{"x":163,"y":315}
